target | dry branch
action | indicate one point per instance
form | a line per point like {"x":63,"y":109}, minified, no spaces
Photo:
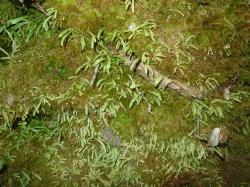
{"x":93,"y":79}
{"x":166,"y":82}
{"x":39,"y":7}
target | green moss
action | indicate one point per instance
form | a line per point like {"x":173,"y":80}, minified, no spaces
{"x":59,"y":146}
{"x":8,"y":10}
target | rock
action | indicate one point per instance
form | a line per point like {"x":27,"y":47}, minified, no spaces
{"x":218,"y":136}
{"x":226,"y":94}
{"x":132,"y":27}
{"x":214,"y":137}
{"x":110,"y":137}
{"x":10,"y":100}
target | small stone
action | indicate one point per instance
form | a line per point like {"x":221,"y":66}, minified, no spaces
{"x":132,"y":27}
{"x":214,"y":137}
{"x":110,"y":137}
{"x":10,"y":100}
{"x":227,"y":46}
{"x":149,"y":109}
{"x":226,"y":94}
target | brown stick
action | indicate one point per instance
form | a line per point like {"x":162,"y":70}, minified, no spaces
{"x":153,"y":74}
{"x":93,"y":79}
{"x":39,"y":7}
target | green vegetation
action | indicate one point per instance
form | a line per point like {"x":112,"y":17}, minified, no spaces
{"x":65,"y":79}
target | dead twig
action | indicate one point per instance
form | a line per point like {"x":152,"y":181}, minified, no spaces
{"x":93,"y":79}
{"x":153,"y":75}
{"x":39,"y":7}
